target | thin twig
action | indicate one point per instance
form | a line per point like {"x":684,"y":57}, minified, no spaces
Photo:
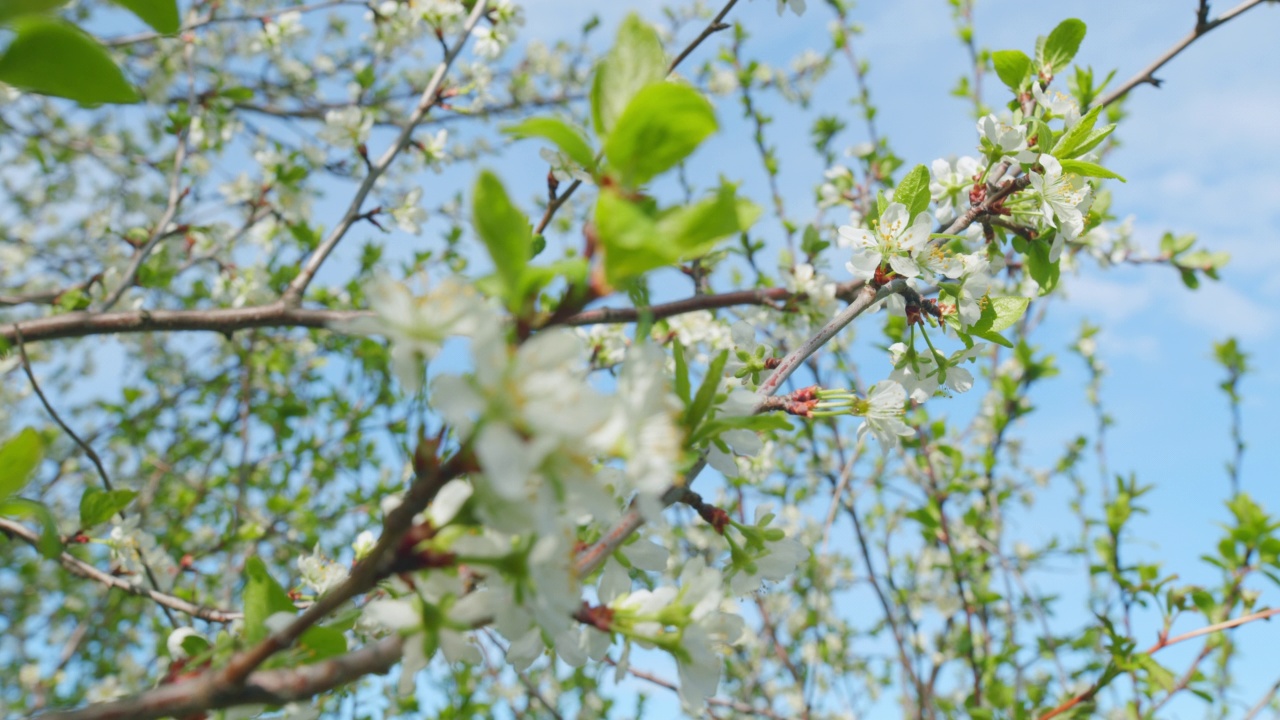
{"x":1148,"y":74}
{"x":293,"y":294}
{"x":93,"y":457}
{"x":716,"y":25}
{"x":35,"y":386}
{"x":1162,"y":644}
{"x":83,"y":569}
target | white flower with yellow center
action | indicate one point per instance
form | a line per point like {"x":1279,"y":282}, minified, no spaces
{"x":892,"y":239}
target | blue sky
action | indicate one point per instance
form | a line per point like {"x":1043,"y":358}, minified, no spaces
{"x":1201,"y":155}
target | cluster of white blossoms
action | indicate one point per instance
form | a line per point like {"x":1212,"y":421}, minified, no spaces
{"x":559,"y":458}
{"x":135,"y":552}
{"x":346,"y":127}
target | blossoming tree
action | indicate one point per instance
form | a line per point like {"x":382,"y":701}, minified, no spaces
{"x":383,"y":420}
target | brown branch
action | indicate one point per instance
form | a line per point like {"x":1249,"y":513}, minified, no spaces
{"x":231,"y":320}
{"x":271,"y":687}
{"x":93,"y":456}
{"x":238,"y":684}
{"x":211,"y":20}
{"x":221,"y":320}
{"x":83,"y":569}
{"x":716,"y":25}
{"x":48,"y":297}
{"x":35,"y":386}
{"x":430,"y":96}
{"x":1148,"y":74}
{"x":1162,"y":644}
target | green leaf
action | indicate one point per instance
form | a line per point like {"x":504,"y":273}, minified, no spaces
{"x":194,"y":645}
{"x":51,"y":57}
{"x":1092,"y":140}
{"x":1013,"y":67}
{"x":706,"y":392}
{"x":629,"y":238}
{"x":323,"y":642}
{"x":10,"y":9}
{"x":73,"y":299}
{"x":635,"y":61}
{"x":98,"y":505}
{"x":506,"y":233}
{"x":1176,"y":245}
{"x":682,"y":371}
{"x":661,"y":126}
{"x":1061,"y":45}
{"x":1042,"y":133}
{"x":19,"y":457}
{"x":913,"y":191}
{"x":998,"y":314}
{"x":1044,"y":272}
{"x":637,"y":239}
{"x":695,"y":229}
{"x":1088,"y":169}
{"x":713,"y":428}
{"x":1007,"y":311}
{"x":49,"y":544}
{"x":567,"y":138}
{"x":263,"y":597}
{"x":162,"y":15}
{"x":1069,"y":143}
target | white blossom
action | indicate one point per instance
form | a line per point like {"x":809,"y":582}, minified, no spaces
{"x":346,"y":127}
{"x":892,"y":240}
{"x":883,"y":414}
{"x":408,"y":215}
{"x":418,"y":327}
{"x":1063,"y":202}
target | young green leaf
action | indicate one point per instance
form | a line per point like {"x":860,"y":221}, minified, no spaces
{"x":697,"y":409}
{"x":1088,"y":169}
{"x":629,"y":238}
{"x":1070,"y":141}
{"x":323,"y":642}
{"x":569,"y":139}
{"x":661,"y":126}
{"x":19,"y":456}
{"x":1061,"y":46}
{"x":263,"y":597}
{"x":913,"y":191}
{"x":49,"y":544}
{"x":506,"y":233}
{"x":682,"y":371}
{"x":50,"y":57}
{"x":1013,"y":67}
{"x":10,"y":9}
{"x":695,"y":229}
{"x":636,"y":239}
{"x":1006,"y":311}
{"x":159,"y":14}
{"x":635,"y":61}
{"x":98,"y":505}
{"x":1042,"y":270}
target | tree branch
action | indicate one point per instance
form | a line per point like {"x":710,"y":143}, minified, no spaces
{"x":1148,"y":74}
{"x":83,"y":569}
{"x":230,"y":320}
{"x":293,"y":294}
{"x":1162,"y":644}
{"x":270,"y":687}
